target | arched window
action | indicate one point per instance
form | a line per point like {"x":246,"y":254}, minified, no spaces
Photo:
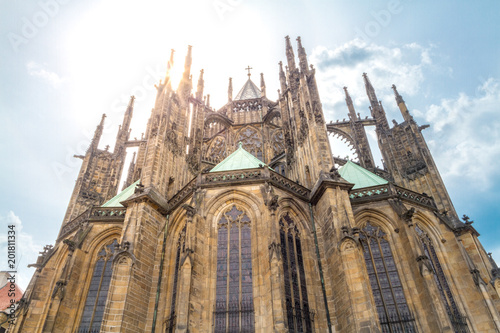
{"x":234,"y":310}
{"x":299,"y":316}
{"x":277,"y":143}
{"x":458,"y":321}
{"x":170,"y":322}
{"x":98,"y":291}
{"x":393,"y":312}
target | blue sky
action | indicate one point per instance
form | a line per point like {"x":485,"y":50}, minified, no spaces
{"x":64,"y":63}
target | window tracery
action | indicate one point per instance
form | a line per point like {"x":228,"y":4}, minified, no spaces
{"x":392,"y":308}
{"x":217,"y":150}
{"x":251,"y":142}
{"x":234,"y":310}
{"x":299,"y":315}
{"x":458,"y":321}
{"x":277,"y":143}
{"x":97,"y":295}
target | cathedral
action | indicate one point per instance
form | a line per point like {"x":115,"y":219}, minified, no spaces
{"x":239,"y":219}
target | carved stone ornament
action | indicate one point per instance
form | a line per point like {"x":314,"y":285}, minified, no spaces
{"x":270,"y":198}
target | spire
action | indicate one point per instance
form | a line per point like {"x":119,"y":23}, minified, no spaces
{"x":370,"y":91}
{"x":230,"y":90}
{"x":208,"y":100}
{"x":282,"y":78}
{"x":302,"y":56}
{"x":186,"y":84}
{"x":289,"y":54}
{"x":401,"y":104}
{"x":262,"y":85}
{"x":170,"y":64}
{"x":97,"y":134}
{"x":127,"y":117}
{"x":350,"y":106}
{"x":199,"y":89}
{"x":375,"y":105}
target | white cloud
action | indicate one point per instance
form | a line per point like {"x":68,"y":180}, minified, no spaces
{"x":343,"y":66}
{"x":39,"y":71}
{"x":468,"y":131}
{"x":26,"y":249}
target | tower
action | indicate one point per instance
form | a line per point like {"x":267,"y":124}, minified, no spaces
{"x":237,"y":220}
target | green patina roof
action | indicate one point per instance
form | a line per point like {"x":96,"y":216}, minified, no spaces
{"x":359,"y":176}
{"x":240,"y":159}
{"x":122,"y":196}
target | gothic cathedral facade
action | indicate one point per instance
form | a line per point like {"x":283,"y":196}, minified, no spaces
{"x":241,"y":220}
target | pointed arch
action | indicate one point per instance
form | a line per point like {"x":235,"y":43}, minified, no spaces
{"x":298,"y":312}
{"x":457,"y":319}
{"x":234,"y":309}
{"x":97,"y":294}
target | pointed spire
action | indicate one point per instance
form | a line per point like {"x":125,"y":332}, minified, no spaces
{"x":282,"y":77}
{"x":302,"y":57}
{"x":208,"y":100}
{"x":230,"y":90}
{"x":97,"y":134}
{"x":350,"y":105}
{"x":289,"y":54}
{"x":170,"y":64}
{"x":262,"y":85}
{"x":376,"y":106}
{"x":370,"y":91}
{"x":401,"y":104}
{"x":127,"y":117}
{"x":186,"y":84}
{"x":201,"y":83}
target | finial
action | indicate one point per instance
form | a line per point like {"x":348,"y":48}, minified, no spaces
{"x":248,"y":69}
{"x":399,"y":98}
{"x":240,"y":145}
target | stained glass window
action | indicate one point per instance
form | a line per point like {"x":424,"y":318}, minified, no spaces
{"x":170,"y":322}
{"x":393,"y":312}
{"x":458,"y":321}
{"x":299,"y":316}
{"x":234,"y":310}
{"x":98,"y":291}
{"x":251,"y":141}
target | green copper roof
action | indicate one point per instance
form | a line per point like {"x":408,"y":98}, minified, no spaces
{"x":122,"y":196}
{"x":240,"y":159}
{"x":359,"y":176}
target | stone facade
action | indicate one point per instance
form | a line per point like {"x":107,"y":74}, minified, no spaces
{"x":286,"y":245}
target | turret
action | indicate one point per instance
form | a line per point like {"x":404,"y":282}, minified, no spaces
{"x":230,"y":90}
{"x":376,"y":107}
{"x":262,"y":85}
{"x":282,"y":78}
{"x":401,"y":105}
{"x":290,"y":57}
{"x":97,"y":134}
{"x":199,"y":89}
{"x":302,"y":57}
{"x":186,"y":84}
{"x":350,"y":106}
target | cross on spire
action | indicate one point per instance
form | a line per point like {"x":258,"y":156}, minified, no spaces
{"x":248,"y":69}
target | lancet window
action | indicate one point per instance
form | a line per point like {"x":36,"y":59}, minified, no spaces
{"x":393,"y":312}
{"x":458,"y":321}
{"x":251,"y":141}
{"x":98,"y":290}
{"x":234,"y":311}
{"x":299,"y":315}
{"x":170,"y":322}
